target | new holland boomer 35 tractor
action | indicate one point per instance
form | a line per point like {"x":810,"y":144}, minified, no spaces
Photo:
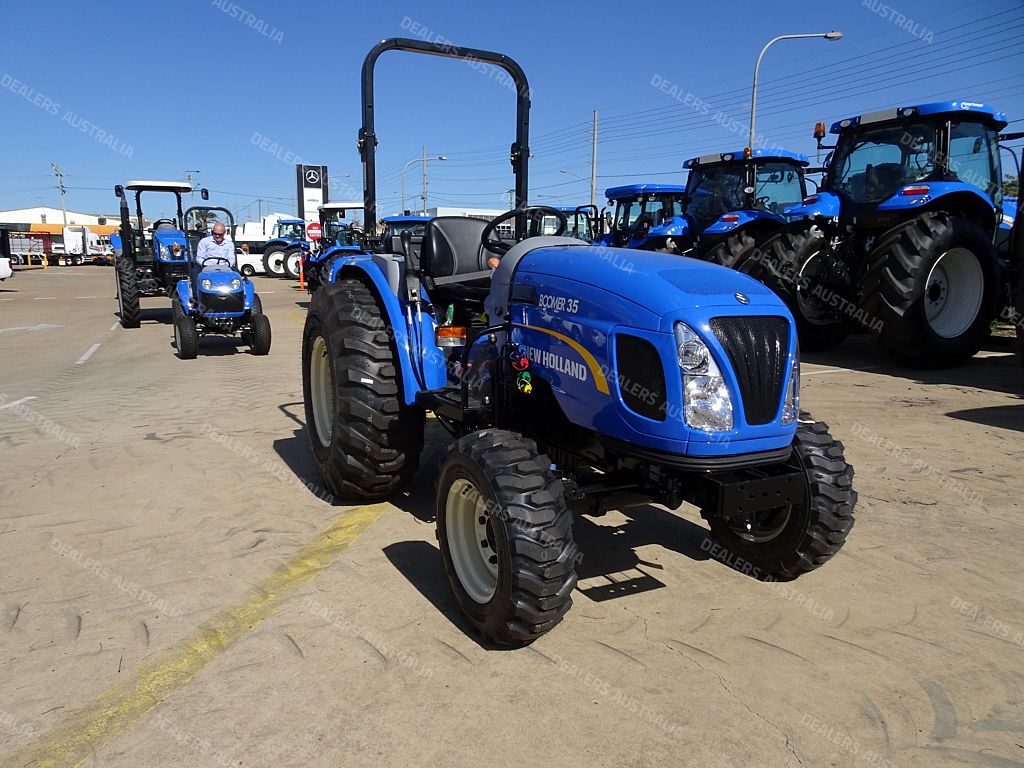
{"x":567,"y":378}
{"x":900,"y":238}
{"x":148,"y":266}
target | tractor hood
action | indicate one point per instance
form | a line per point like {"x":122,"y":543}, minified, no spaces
{"x":660,"y":283}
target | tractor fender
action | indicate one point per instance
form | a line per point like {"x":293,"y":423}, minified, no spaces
{"x":421,"y":361}
{"x":820,"y":204}
{"x":950,"y":196}
{"x":734,"y":220}
{"x":249,"y":290}
{"x":183,"y":288}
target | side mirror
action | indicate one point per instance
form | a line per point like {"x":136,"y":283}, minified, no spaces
{"x":205,"y":193}
{"x":119,"y":190}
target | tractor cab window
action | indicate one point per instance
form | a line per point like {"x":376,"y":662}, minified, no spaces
{"x":715,"y":190}
{"x":339,"y":234}
{"x":577,"y":225}
{"x":294,"y":231}
{"x":776,"y":186}
{"x":396,"y":228}
{"x":871,"y":165}
{"x":973,"y":158}
{"x":649,"y":210}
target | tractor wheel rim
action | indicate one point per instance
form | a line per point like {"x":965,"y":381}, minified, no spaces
{"x":764,"y":526}
{"x":470,"y":541}
{"x":321,"y":385}
{"x":293,"y":264}
{"x":812,"y":306}
{"x":954,"y":293}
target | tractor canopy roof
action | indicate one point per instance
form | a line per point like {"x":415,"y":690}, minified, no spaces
{"x":291,"y":221}
{"x":342,"y":206}
{"x":974,"y":109}
{"x":390,"y":219}
{"x":632,"y":190}
{"x":783,"y":155}
{"x":158,"y":186}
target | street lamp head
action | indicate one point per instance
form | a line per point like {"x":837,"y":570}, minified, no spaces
{"x":833,"y":35}
{"x":441,"y":157}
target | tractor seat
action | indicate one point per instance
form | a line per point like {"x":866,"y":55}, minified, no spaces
{"x":453,"y":261}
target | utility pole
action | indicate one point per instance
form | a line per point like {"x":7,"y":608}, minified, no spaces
{"x":60,"y":185}
{"x":593,"y":165}
{"x":424,"y":181}
{"x":192,"y":187}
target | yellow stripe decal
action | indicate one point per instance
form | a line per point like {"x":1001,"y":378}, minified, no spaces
{"x":78,"y":737}
{"x":595,"y":369}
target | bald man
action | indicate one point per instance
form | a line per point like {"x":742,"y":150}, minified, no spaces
{"x":216,"y":244}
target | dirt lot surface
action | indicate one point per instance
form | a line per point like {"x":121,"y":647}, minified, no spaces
{"x":177,"y":590}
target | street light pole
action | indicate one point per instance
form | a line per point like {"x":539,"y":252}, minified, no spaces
{"x":190,"y":185}
{"x":423,"y":159}
{"x":833,"y":35}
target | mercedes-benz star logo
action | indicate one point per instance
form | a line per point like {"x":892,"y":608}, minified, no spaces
{"x":312,"y":176}
{"x":742,"y":298}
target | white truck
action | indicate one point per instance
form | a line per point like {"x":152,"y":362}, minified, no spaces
{"x":253,"y":235}
{"x":83,"y":246}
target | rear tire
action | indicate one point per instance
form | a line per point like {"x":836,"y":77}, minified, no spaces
{"x":273,"y":261}
{"x":186,"y":337}
{"x":260,"y":334}
{"x":248,"y":270}
{"x":788,"y":263}
{"x":127,"y":293}
{"x":506,"y":536}
{"x":788,"y":542}
{"x":733,"y":251}
{"x":365,"y":440}
{"x":932,"y":282}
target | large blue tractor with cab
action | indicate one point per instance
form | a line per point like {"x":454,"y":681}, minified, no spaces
{"x":901,"y":238}
{"x":568,"y":384}
{"x":150,"y":264}
{"x":216,"y":299}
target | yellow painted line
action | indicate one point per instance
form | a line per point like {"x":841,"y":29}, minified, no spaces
{"x":595,"y":370}
{"x":78,"y":737}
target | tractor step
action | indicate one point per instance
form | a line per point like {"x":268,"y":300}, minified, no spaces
{"x":448,"y":403}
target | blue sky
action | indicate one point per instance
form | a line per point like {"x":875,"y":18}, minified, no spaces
{"x":201,"y":85}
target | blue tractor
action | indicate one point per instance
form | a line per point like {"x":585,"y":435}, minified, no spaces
{"x":901,"y":237}
{"x":731,"y":203}
{"x":282,"y":251}
{"x":338,"y":237}
{"x":216,"y":299}
{"x":568,"y":382}
{"x":148,"y":265}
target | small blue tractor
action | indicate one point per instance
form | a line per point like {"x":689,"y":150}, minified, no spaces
{"x":900,"y":239}
{"x":571,"y":376}
{"x":281,"y":254}
{"x":217,"y":299}
{"x":337,"y":237}
{"x":148,"y":265}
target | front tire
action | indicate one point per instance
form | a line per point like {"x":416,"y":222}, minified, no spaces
{"x":186,"y":336}
{"x":248,"y":270}
{"x":290,"y":263}
{"x":127,"y":293}
{"x":784,"y":543}
{"x":790,"y":263}
{"x":506,"y":536}
{"x":260,"y":334}
{"x":365,"y":440}
{"x":932,"y":282}
{"x":733,"y":251}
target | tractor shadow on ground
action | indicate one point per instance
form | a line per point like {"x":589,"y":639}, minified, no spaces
{"x":998,"y":372}
{"x":294,"y":452}
{"x":217,"y":346}
{"x":154,"y":315}
{"x":1002,"y":416}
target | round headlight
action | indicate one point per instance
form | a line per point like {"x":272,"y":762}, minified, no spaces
{"x":236,"y":284}
{"x":206,"y":285}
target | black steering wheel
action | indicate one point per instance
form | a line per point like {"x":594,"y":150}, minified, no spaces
{"x":534,"y":213}
{"x":215,"y":259}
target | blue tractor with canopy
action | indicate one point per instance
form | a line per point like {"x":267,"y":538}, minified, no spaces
{"x":572,"y":377}
{"x":337,"y":237}
{"x":903,"y":237}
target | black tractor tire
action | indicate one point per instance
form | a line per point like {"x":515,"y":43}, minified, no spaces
{"x":733,"y":251}
{"x":257,"y":305}
{"x":186,"y":337}
{"x":807,"y":535}
{"x":780,"y":262}
{"x":261,"y":336}
{"x":272,"y":257}
{"x":129,"y":309}
{"x":505,"y":534}
{"x":902,"y":285}
{"x":365,"y":440}
{"x":248,"y":270}
{"x":290,"y":262}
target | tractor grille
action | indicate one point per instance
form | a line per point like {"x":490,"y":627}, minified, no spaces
{"x":757,"y":348}
{"x":222,"y":302}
